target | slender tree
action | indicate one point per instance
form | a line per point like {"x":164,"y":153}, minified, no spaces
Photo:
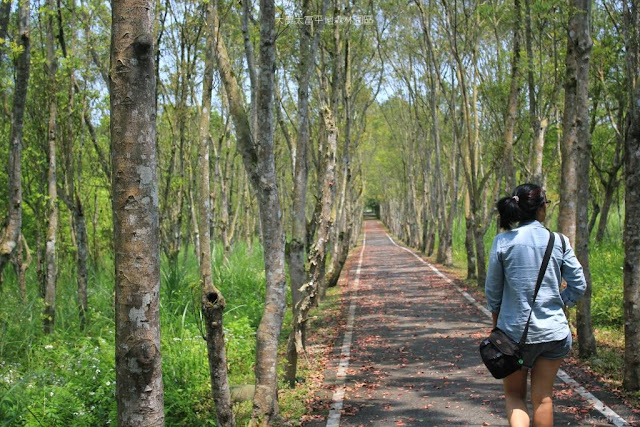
{"x":298,"y":275}
{"x":139,"y":389}
{"x":297,"y":256}
{"x":631,"y":377}
{"x":576,"y":151}
{"x":538,"y":124}
{"x":51,"y":263}
{"x":213,"y":303}
{"x":512,"y":107}
{"x":11,"y":231}
{"x":5,"y":14}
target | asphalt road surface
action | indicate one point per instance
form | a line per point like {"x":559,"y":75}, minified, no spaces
{"x":409,"y":352}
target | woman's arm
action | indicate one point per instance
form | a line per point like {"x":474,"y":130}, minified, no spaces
{"x":574,"y":276}
{"x":494,"y":283}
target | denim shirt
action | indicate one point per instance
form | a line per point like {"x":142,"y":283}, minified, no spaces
{"x":514,"y":263}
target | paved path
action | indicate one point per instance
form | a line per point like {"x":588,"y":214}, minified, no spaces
{"x":409,"y":355}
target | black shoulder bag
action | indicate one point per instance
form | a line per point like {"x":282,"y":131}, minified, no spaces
{"x":501,"y":355}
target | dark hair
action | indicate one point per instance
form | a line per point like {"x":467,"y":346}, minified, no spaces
{"x":522,"y":205}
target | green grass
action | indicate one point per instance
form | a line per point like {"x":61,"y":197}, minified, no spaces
{"x":606,"y":261}
{"x":68,"y":378}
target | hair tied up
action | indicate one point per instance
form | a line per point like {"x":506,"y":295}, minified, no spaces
{"x":528,"y":199}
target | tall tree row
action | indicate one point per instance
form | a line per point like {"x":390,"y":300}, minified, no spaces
{"x":480,"y":114}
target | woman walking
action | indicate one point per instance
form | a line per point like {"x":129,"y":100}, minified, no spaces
{"x":514,"y":263}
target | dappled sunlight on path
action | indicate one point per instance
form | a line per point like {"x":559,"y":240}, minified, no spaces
{"x":413,"y":356}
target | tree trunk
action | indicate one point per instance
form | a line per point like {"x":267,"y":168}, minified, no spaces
{"x":259,"y":163}
{"x":512,"y":108}
{"x":469,"y":240}
{"x":631,"y":376}
{"x":213,"y":302}
{"x":74,"y":203}
{"x":11,"y":232}
{"x":5,"y":14}
{"x":82,"y":262}
{"x":567,"y":215}
{"x":479,"y":231}
{"x":222,"y":176}
{"x":297,"y":272}
{"x":22,"y":266}
{"x":470,"y":248}
{"x":50,"y":260}
{"x":194,"y":220}
{"x":309,"y":291}
{"x":594,"y":214}
{"x":343,"y":231}
{"x":445,"y":249}
{"x":609,"y":189}
{"x":224,"y":198}
{"x":139,"y":389}
{"x":578,"y":139}
{"x":94,"y":221}
{"x":444,"y":254}
{"x":538,"y":125}
{"x":251,"y":64}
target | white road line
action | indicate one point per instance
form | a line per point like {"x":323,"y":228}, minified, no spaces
{"x":597,"y":404}
{"x":338,"y":395}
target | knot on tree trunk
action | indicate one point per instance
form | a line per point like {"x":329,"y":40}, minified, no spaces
{"x":212,"y":299}
{"x":143,"y":46}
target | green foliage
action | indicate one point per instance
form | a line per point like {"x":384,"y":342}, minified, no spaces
{"x":68,"y":378}
{"x":241,"y":280}
{"x":606,"y":260}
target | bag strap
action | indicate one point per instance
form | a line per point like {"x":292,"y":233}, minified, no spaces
{"x":543,"y":268}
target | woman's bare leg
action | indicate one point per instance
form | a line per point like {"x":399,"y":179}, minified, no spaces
{"x":543,"y":376}
{"x":515,"y":393}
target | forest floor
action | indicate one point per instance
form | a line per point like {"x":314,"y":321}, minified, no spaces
{"x":404,"y":352}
